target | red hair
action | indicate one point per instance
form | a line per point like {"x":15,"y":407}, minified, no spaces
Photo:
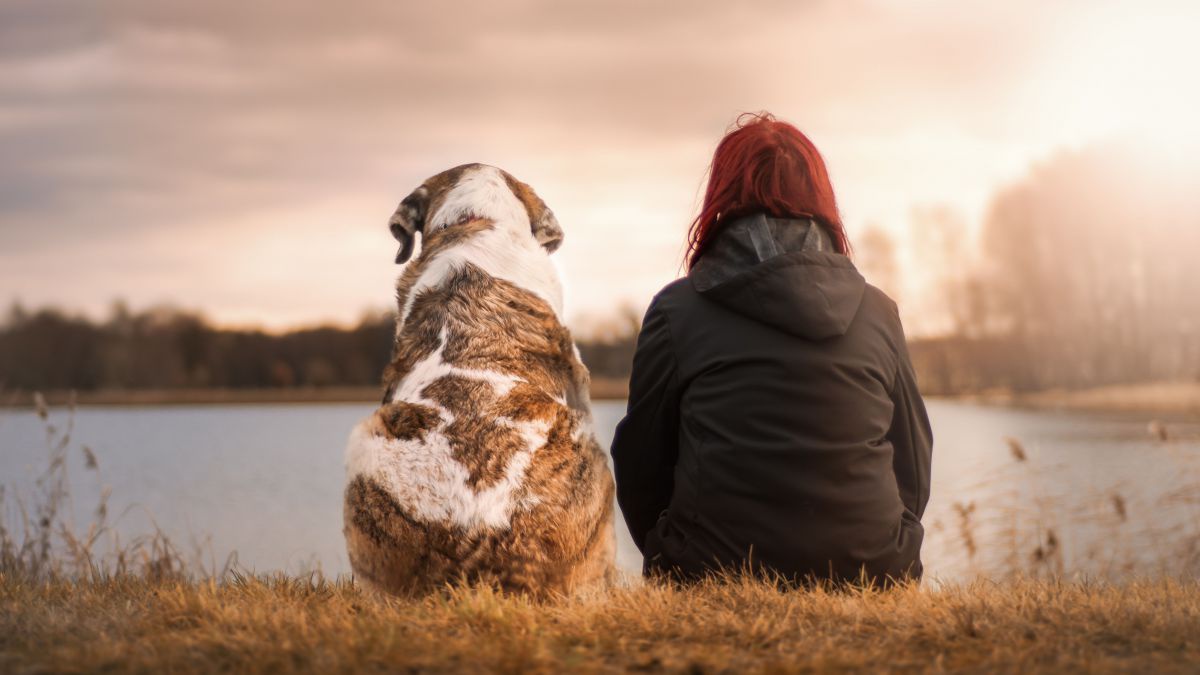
{"x":769,"y":166}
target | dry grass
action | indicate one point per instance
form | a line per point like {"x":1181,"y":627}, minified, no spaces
{"x":299,"y":625}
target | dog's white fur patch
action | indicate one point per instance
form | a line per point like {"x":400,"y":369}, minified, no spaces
{"x":422,"y":474}
{"x":508,"y":251}
{"x":480,"y":192}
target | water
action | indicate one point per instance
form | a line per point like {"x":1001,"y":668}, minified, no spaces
{"x":266,"y":481}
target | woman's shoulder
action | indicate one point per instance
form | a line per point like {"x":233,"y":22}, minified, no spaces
{"x":674,"y":295}
{"x":881,"y":310}
{"x":875,"y":298}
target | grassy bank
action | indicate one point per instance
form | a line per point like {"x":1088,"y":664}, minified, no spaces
{"x":295,"y":625}
{"x":1177,"y":400}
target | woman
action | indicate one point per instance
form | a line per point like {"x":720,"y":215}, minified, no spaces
{"x":774,"y":421}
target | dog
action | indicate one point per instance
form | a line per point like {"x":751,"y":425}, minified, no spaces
{"x":480,"y":465}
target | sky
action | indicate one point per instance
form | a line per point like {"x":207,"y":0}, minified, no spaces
{"x":242,"y":159}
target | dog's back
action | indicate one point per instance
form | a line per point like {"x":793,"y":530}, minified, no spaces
{"x":481,"y":464}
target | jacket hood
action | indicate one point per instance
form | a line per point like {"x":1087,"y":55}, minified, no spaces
{"x":782,"y":272}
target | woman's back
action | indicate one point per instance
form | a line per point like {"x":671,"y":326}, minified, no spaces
{"x":771,"y":376}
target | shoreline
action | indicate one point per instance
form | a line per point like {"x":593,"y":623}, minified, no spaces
{"x":603,"y":389}
{"x":1180,"y":399}
{"x":1168,"y":399}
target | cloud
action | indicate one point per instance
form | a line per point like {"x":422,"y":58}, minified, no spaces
{"x":130,"y":118}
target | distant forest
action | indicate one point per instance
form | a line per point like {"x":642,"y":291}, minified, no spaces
{"x":1086,"y":272}
{"x":166,"y":348}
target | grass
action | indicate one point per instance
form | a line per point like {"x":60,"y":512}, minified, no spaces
{"x":252,"y":625}
{"x":69,"y":602}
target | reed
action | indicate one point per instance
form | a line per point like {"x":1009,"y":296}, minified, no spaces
{"x":41,"y":541}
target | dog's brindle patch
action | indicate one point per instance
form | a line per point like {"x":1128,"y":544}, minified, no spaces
{"x":425,"y":341}
{"x":408,"y":421}
{"x":512,"y":332}
{"x":472,"y":430}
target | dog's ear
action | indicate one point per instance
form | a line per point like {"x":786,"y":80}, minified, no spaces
{"x":408,"y":220}
{"x":547,"y":230}
{"x":542,"y":223}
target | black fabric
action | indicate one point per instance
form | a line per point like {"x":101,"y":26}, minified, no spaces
{"x":774,"y":419}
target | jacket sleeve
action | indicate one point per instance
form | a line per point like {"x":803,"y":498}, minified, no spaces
{"x":646,"y":445}
{"x":911,"y":437}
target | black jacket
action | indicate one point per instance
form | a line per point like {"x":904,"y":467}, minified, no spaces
{"x":773,"y":417}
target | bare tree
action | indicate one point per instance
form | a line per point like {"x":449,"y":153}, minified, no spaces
{"x":875,"y":251}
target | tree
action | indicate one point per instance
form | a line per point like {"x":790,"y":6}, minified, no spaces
{"x":1091,"y":260}
{"x":875,"y":251}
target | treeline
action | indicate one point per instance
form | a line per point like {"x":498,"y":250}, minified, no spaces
{"x":1085,"y":273}
{"x":166,"y":348}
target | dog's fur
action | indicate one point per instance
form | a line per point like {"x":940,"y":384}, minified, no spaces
{"x":480,"y":465}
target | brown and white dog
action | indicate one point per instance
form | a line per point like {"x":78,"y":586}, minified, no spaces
{"x":481,"y":464}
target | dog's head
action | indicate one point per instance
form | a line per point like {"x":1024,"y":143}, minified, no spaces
{"x":468,"y":192}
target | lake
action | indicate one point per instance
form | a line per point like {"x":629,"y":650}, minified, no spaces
{"x":1095,"y":495}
